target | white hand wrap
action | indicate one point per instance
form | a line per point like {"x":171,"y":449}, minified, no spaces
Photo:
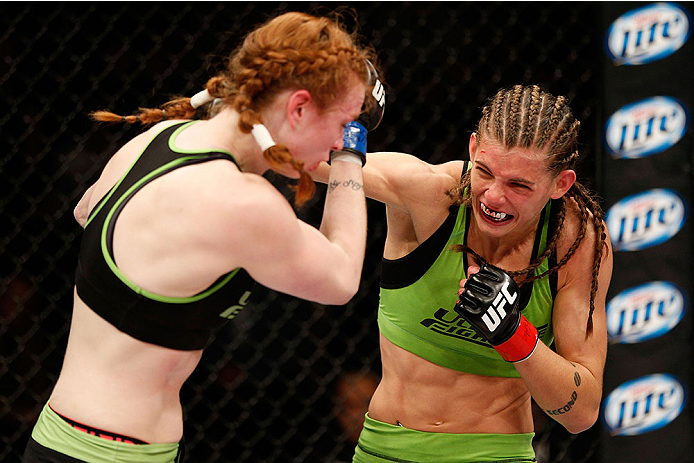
{"x":345,"y":156}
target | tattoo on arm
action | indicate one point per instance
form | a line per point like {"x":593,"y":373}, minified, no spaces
{"x":566,"y":408}
{"x":332,"y":185}
{"x":351,"y":184}
{"x":574,"y":396}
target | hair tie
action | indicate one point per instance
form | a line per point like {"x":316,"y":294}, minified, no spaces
{"x":200,"y":99}
{"x":262,"y":137}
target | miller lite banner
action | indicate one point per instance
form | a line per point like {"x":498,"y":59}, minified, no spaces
{"x":646,"y":34}
{"x":644,"y":312}
{"x":643,"y":405}
{"x":645,"y":177}
{"x":646,"y":219}
{"x":645,"y":127}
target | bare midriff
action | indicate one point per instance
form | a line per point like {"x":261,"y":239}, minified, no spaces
{"x":421,"y":395}
{"x":113,"y":382}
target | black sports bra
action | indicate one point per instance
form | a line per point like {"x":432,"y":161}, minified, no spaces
{"x":178,"y":323}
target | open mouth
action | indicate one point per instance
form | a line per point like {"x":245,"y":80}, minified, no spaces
{"x":493,"y":215}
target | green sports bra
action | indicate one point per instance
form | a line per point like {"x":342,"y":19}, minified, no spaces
{"x":418,"y":293}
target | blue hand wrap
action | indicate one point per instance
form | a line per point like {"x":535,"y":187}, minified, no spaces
{"x":354,"y":137}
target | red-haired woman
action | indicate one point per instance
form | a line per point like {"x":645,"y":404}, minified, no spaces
{"x":180,"y":225}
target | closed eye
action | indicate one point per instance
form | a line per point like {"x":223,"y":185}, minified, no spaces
{"x":483,"y":171}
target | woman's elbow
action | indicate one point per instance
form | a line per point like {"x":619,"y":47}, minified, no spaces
{"x":345,"y":295}
{"x":341,"y":292}
{"x":583,"y":421}
{"x":80,"y":215}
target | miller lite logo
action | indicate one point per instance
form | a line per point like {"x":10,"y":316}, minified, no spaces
{"x":644,"y":312}
{"x":496,"y":312}
{"x":646,"y":127}
{"x":645,"y":219}
{"x":647,"y":34}
{"x":643,"y":405}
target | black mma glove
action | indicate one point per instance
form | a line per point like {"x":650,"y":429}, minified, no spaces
{"x":354,"y":137}
{"x":489,"y":303}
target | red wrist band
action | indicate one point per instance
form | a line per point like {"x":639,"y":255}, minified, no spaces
{"x":521,"y":345}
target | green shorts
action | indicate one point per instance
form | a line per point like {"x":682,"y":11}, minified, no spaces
{"x":53,"y":432}
{"x":382,"y":442}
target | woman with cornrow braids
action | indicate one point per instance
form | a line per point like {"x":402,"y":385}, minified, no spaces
{"x":181,"y":225}
{"x":488,"y":263}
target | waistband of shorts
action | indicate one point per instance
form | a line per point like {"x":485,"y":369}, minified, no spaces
{"x":55,"y":433}
{"x":99,"y":432}
{"x":396,"y":443}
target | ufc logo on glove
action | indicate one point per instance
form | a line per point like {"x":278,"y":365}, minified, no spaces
{"x":489,"y":304}
{"x":496,"y":312}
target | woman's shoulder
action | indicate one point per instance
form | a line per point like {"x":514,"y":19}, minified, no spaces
{"x":239,"y":193}
{"x":583,"y":235}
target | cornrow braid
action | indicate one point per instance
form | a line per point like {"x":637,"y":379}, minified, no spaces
{"x":560,"y":164}
{"x":601,"y":245}
{"x":563,"y":144}
{"x":513,"y":116}
{"x":587,"y":208}
{"x":551,"y":125}
{"x":532,"y":119}
{"x":498,"y":117}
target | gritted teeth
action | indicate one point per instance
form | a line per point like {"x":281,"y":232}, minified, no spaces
{"x":494,"y":215}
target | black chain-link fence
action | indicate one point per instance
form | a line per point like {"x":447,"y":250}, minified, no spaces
{"x":283,"y":381}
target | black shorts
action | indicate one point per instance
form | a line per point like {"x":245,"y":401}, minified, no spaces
{"x":37,"y":453}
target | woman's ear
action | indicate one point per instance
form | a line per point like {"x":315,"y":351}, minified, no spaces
{"x":296,"y":106}
{"x":472,"y":146}
{"x":562,"y":183}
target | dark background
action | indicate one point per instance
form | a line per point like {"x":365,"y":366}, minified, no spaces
{"x":269,"y":386}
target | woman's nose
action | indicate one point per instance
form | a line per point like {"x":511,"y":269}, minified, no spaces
{"x":338,"y":145}
{"x":495,"y":194}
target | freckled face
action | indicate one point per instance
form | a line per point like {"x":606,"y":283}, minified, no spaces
{"x":509,"y":188}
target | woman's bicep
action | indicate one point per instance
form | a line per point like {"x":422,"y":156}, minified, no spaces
{"x":399,"y":179}
{"x":288,"y":255}
{"x":572,"y":313}
{"x":572,"y":339}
